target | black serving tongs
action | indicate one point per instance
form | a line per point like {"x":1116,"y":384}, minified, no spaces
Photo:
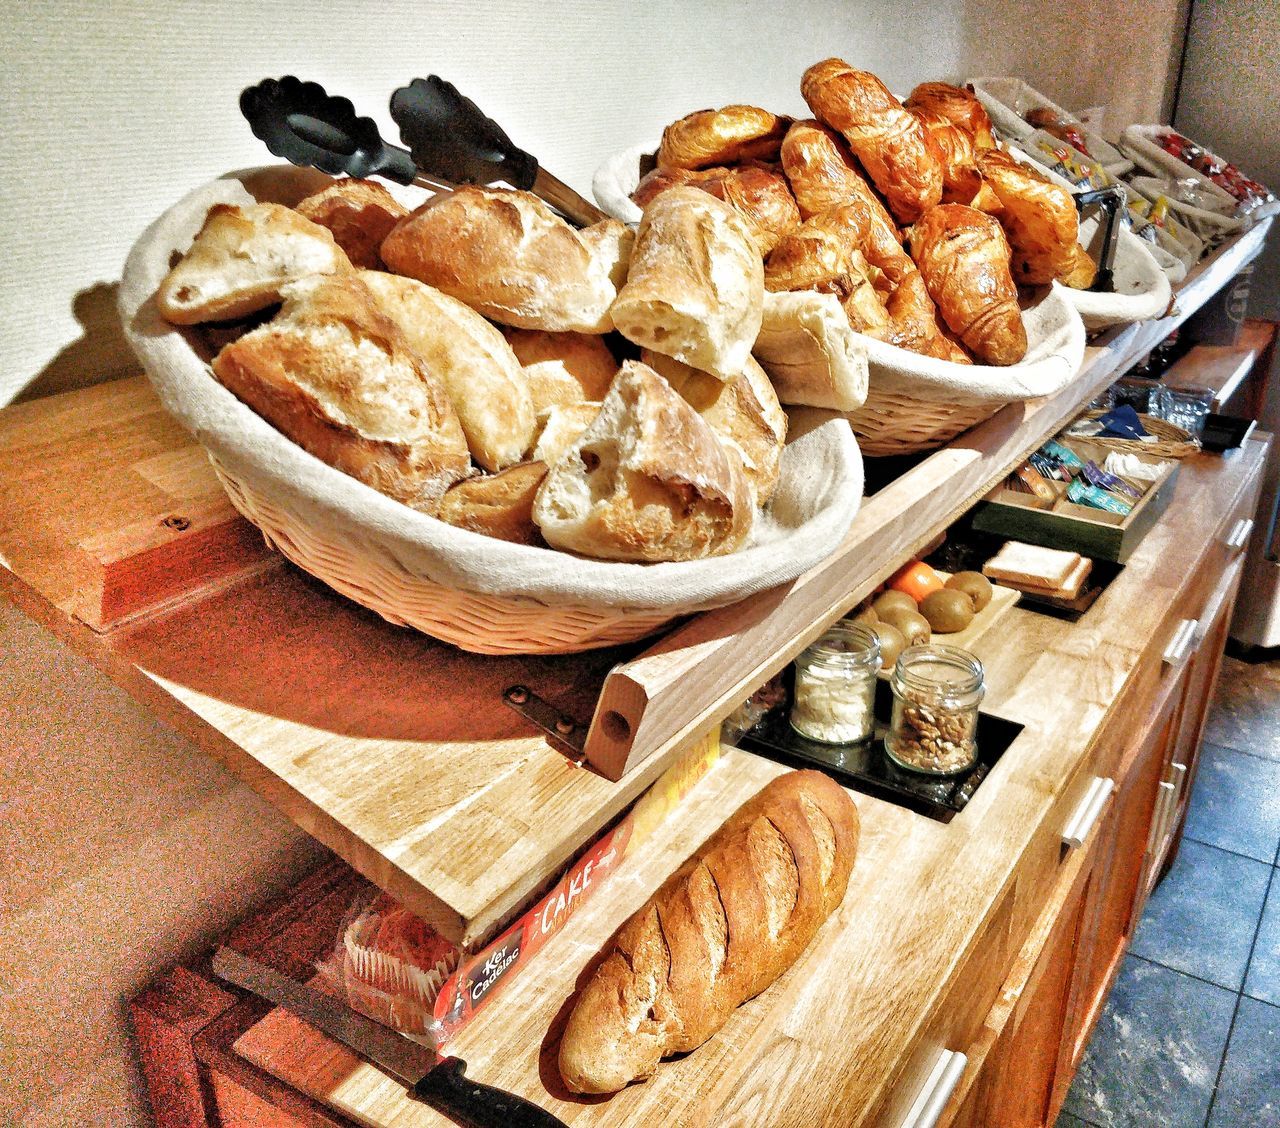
{"x":1110,"y":201}
{"x":450,"y":141}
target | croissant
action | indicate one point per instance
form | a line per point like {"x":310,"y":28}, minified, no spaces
{"x":720,"y":137}
{"x":1039,"y":218}
{"x":913,"y":322}
{"x":959,"y":106}
{"x":963,"y":257}
{"x":891,"y":145}
{"x":960,"y":177}
{"x":822,"y":258}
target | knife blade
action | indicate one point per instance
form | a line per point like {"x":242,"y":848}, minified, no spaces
{"x":437,"y":1081}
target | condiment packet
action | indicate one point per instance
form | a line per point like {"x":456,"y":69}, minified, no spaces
{"x":1131,"y":466}
{"x":1096,"y":476}
{"x":1082,"y":493}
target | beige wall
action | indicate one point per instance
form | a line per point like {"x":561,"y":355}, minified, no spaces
{"x":124,"y":850}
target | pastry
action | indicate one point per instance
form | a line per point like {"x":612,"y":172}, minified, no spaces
{"x":961,"y":180}
{"x":963,"y":257}
{"x":893,"y":147}
{"x":721,"y":137}
{"x":959,"y":106}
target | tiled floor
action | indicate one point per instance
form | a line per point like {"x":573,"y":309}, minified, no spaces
{"x":1191,"y":1033}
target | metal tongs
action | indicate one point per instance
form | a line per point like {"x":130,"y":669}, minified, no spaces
{"x":450,"y":141}
{"x":1110,"y":200}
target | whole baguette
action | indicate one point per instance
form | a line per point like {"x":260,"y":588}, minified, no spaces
{"x":726,"y":924}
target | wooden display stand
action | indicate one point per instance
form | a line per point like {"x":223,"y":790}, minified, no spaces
{"x":378,"y":741}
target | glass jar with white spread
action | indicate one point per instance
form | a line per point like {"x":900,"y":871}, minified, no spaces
{"x":836,"y":686}
{"x":936,"y":693}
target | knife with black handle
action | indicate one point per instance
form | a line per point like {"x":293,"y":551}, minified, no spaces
{"x":450,"y":136}
{"x":440,"y":1082}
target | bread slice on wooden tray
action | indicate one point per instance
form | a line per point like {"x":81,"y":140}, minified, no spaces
{"x":241,"y":258}
{"x":338,"y":377}
{"x":1016,"y":562}
{"x":647,"y":480}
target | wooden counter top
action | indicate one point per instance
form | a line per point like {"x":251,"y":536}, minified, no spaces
{"x":392,"y":749}
{"x":829,"y":1043}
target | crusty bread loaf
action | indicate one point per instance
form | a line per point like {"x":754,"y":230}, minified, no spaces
{"x":726,"y":924}
{"x":647,"y":480}
{"x":240,"y":260}
{"x":497,"y":505}
{"x":471,"y":361}
{"x":696,"y":285}
{"x":721,"y":137}
{"x":563,"y":368}
{"x":561,"y":428}
{"x":337,"y":376}
{"x":360,"y":213}
{"x":744,"y":413}
{"x":508,"y":255}
{"x":811,"y":352}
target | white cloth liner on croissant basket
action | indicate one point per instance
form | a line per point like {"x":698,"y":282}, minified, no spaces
{"x":477,"y":592}
{"x":914,"y":403}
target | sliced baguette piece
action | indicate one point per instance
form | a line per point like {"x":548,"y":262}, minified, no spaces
{"x":469,"y":357}
{"x":648,"y":480}
{"x":744,"y":413}
{"x":695,"y":290}
{"x":508,"y":255}
{"x":497,"y":505}
{"x":561,"y":428}
{"x":811,"y":352}
{"x":241,"y":259}
{"x":1031,"y":564}
{"x":337,"y":376}
{"x":360,"y":213}
{"x":563,"y":368}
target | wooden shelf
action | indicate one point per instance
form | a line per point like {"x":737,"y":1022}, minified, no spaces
{"x":393,"y":749}
{"x":1225,"y":368}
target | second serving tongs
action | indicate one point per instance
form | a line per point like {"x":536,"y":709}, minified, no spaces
{"x":451,"y":141}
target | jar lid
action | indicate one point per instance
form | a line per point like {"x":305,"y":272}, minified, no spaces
{"x":938,"y":669}
{"x":852,"y":643}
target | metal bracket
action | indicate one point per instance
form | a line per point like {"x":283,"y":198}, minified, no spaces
{"x":557,"y":724}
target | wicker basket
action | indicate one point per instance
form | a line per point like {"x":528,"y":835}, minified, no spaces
{"x":896,"y":424}
{"x":481,"y":594}
{"x":1172,"y":440}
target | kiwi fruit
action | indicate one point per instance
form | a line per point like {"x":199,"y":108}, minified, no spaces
{"x":974,"y":584}
{"x":948,"y":610}
{"x":886,"y":601}
{"x":865,"y":615}
{"x":892,"y":644}
{"x":913,"y":626}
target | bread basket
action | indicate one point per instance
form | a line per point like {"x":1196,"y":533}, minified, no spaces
{"x":914,"y":403}
{"x":481,"y":594}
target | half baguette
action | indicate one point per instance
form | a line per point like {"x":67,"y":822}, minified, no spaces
{"x":647,"y":480}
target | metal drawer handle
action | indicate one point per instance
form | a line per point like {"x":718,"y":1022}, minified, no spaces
{"x":1182,"y":643}
{"x":1085,"y":816}
{"x":936,"y":1091}
{"x":1240,"y":533}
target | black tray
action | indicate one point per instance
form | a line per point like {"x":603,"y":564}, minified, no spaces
{"x":865,"y":767}
{"x":1225,"y":432}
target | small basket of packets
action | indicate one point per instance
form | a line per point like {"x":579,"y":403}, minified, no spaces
{"x":478,"y":420}
{"x":1084,"y":494}
{"x":896,"y":239}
